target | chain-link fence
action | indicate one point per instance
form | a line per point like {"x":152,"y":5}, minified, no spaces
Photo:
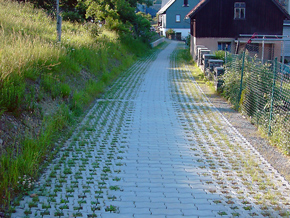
{"x":261,"y":90}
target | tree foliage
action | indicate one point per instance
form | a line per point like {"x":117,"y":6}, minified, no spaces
{"x":117,"y":15}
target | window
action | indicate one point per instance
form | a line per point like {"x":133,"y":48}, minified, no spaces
{"x":240,"y":10}
{"x":177,"y":18}
{"x":225,"y":46}
{"x":185,"y":3}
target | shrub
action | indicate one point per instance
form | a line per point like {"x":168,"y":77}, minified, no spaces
{"x":93,"y":28}
{"x":220,"y":55}
{"x":170,"y":32}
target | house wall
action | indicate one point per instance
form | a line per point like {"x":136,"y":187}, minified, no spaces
{"x":286,"y":32}
{"x":272,"y":49}
{"x":177,"y":8}
{"x":216,"y":19}
{"x":212,"y":43}
{"x":184,"y":32}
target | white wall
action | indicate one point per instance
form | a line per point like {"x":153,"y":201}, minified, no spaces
{"x":184,"y":32}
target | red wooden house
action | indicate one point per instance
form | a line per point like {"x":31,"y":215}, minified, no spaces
{"x":217,"y":24}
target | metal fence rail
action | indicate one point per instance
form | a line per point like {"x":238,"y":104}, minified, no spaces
{"x":262,"y":92}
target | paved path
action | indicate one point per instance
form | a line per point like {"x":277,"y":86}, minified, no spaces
{"x":154,"y":146}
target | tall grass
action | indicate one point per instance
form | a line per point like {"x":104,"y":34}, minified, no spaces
{"x":34,"y":67}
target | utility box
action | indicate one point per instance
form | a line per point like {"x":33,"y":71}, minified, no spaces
{"x":195,"y":55}
{"x":219,"y":71}
{"x":215,"y":63}
{"x":218,"y":81}
{"x":206,"y":57}
{"x":200,"y":56}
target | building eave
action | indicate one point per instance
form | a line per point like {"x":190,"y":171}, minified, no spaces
{"x":165,"y":7}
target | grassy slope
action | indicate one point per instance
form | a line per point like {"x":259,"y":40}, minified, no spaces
{"x":46,"y":85}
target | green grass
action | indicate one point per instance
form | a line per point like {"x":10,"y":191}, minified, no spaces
{"x":36,"y":69}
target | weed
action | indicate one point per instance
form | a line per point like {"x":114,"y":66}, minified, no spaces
{"x":67,"y":171}
{"x":65,"y":90}
{"x":25,"y":184}
{"x":78,"y":214}
{"x":248,"y":208}
{"x":58,"y":213}
{"x":222,"y":213}
{"x":116,"y":179}
{"x":32,"y":204}
{"x":44,"y":213}
{"x":115,"y":188}
{"x":217,"y":201}
{"x":106,"y":170}
{"x":27,"y":212}
{"x":111,"y":208}
{"x":64,"y":207}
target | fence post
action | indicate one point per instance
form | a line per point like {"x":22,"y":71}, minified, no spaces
{"x":226,"y":56}
{"x":272,"y":95}
{"x":241,"y":84}
{"x":58,"y":22}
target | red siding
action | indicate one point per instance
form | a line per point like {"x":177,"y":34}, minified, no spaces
{"x":216,"y":19}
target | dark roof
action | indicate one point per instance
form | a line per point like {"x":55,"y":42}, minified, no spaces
{"x":196,"y":8}
{"x":151,"y":11}
{"x":202,"y":3}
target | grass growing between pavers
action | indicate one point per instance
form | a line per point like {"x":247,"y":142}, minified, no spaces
{"x":46,"y":85}
{"x":250,"y":186}
{"x":86,"y":169}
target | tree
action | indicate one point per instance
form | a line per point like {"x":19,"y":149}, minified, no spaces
{"x":74,"y":10}
{"x":118,"y":15}
{"x":46,"y":4}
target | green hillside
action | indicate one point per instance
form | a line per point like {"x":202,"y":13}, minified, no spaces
{"x":45,"y":85}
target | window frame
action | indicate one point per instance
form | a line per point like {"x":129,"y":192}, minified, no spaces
{"x":185,"y":3}
{"x":239,"y":10}
{"x":225,"y":46}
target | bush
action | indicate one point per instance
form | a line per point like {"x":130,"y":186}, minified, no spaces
{"x":220,"y":55}
{"x":170,"y":32}
{"x":93,"y":28}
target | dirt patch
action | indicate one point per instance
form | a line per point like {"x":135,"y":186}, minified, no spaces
{"x":276,"y":158}
{"x":14,"y":128}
